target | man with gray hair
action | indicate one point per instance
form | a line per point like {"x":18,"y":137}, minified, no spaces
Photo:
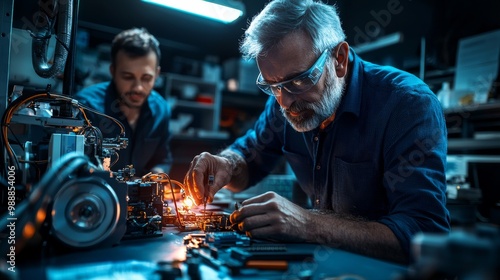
{"x":367,"y":143}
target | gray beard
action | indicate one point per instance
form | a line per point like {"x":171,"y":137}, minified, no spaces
{"x":322,"y":109}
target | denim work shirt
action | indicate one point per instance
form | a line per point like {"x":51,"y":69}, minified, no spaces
{"x":382,"y":158}
{"x":148,"y":144}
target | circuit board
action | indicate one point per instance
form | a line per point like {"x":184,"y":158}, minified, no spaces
{"x":234,"y":253}
{"x":207,"y":221}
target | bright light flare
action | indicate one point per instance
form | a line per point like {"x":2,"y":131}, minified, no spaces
{"x":188,"y":203}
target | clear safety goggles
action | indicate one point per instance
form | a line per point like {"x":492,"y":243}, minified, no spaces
{"x":298,"y":84}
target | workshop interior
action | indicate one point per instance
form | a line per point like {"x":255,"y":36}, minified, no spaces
{"x":67,"y":213}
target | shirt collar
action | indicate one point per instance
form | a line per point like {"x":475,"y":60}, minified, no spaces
{"x":351,"y":102}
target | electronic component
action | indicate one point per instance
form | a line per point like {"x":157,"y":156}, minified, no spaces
{"x":57,"y":116}
{"x":233,"y":252}
{"x":188,"y":220}
{"x":61,"y":144}
{"x":144,"y":209}
{"x":148,"y":209}
{"x":271,"y":251}
{"x":225,"y":239}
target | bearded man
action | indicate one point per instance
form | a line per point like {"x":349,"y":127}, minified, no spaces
{"x":130,"y":98}
{"x":367,"y":143}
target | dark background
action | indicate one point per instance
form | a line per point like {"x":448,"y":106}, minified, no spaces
{"x":442,"y":23}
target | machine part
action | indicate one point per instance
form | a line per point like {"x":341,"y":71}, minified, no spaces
{"x":96,"y":147}
{"x":207,"y":222}
{"x":144,"y":209}
{"x":31,"y":213}
{"x":125,"y":174}
{"x":40,"y":42}
{"x":462,"y":254}
{"x":6,"y":12}
{"x":46,"y":121}
{"x":28,"y":155}
{"x":61,"y":144}
{"x":89,"y":211}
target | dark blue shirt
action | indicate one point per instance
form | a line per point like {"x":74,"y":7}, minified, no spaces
{"x":148,"y":145}
{"x":382,"y":158}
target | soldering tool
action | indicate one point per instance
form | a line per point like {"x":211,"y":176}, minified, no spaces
{"x":210,"y":182}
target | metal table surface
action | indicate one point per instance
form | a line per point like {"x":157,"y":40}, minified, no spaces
{"x":165,"y":257}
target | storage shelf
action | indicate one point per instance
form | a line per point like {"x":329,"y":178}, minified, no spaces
{"x":205,"y":116}
{"x":487,"y":109}
{"x":244,"y":100}
{"x":193,"y":104}
{"x":475,"y":144}
{"x":468,"y":119}
{"x":467,"y":123}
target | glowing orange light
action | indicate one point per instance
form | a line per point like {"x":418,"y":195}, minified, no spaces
{"x":40,"y":216}
{"x":28,"y":230}
{"x":188,"y":202}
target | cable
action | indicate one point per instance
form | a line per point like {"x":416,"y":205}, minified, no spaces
{"x":31,"y":95}
{"x":89,"y":131}
{"x":13,"y":107}
{"x":175,"y":202}
{"x":85,"y":116}
{"x":171,"y":190}
{"x":122,"y":127}
{"x":116,"y":160}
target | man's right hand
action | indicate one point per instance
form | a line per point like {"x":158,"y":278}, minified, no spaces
{"x":196,"y":179}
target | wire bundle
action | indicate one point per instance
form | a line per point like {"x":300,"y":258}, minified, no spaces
{"x":36,"y":95}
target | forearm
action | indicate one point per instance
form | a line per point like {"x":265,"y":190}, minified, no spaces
{"x":239,"y":177}
{"x":356,"y":235}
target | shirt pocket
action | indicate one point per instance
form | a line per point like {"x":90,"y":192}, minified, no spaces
{"x":358,"y":189}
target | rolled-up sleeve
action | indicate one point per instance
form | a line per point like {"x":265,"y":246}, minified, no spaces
{"x":414,"y":178}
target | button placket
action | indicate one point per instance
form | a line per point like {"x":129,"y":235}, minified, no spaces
{"x":317,"y":167}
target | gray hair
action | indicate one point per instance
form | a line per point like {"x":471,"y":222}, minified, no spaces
{"x":282,"y":17}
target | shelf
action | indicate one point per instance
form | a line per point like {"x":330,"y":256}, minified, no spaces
{"x":488,"y":110}
{"x":183,"y":79}
{"x":466,"y":120}
{"x":194,"y":104}
{"x":183,"y":93}
{"x":473,"y":144}
{"x":244,"y":100}
{"x":474,"y":128}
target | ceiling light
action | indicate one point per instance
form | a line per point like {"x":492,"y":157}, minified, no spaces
{"x":225,"y":11}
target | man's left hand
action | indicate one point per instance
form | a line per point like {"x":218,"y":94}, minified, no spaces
{"x":271,"y":216}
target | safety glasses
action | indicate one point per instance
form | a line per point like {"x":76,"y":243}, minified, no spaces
{"x":299,"y":84}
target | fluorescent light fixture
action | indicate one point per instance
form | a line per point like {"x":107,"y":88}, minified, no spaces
{"x":225,"y":11}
